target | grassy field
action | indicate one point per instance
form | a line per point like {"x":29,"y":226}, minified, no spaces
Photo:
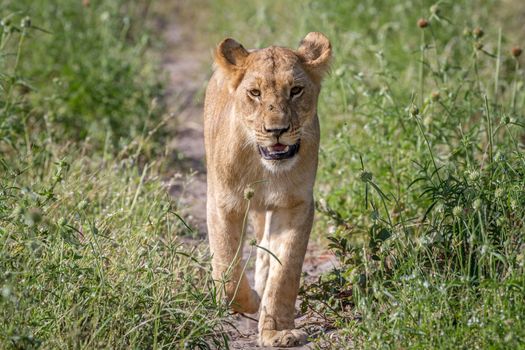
{"x":420,"y":192}
{"x":422,"y":176}
{"x":89,"y":254}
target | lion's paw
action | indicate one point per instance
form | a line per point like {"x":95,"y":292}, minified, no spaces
{"x":285,"y":338}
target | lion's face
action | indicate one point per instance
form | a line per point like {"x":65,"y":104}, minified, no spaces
{"x":276,"y":99}
{"x":274,"y":92}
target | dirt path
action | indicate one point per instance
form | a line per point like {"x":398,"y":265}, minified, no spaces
{"x":188,"y":64}
{"x":184,"y":60}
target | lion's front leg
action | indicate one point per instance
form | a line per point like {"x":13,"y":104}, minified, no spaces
{"x":262,"y":264}
{"x":289,"y":233}
{"x":225,"y":231}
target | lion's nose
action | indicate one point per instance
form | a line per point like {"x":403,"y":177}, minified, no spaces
{"x":277,"y":131}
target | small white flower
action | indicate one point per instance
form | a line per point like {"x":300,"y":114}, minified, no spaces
{"x":474,"y":175}
{"x":104,"y":16}
{"x":477,"y":204}
{"x":472,"y":321}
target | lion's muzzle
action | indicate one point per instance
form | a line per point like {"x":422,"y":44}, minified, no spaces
{"x":279,"y":151}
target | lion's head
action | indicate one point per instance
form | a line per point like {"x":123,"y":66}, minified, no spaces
{"x":274,"y":93}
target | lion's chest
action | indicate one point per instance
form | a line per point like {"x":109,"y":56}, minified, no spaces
{"x":262,"y":194}
{"x":275,"y":193}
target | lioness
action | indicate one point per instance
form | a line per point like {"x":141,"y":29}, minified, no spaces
{"x":261,"y":129}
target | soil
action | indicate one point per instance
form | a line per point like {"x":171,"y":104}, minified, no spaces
{"x":187,"y":61}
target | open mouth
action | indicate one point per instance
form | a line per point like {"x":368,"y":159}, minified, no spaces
{"x":279,"y":151}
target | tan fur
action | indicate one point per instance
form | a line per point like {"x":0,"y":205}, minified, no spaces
{"x":235,"y":123}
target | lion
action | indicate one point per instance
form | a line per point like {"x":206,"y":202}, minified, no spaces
{"x":261,"y":131}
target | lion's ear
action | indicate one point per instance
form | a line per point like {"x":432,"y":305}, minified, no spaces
{"x":315,"y":52}
{"x":230,"y":56}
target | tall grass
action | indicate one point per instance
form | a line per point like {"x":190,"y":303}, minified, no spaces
{"x":421,"y":181}
{"x":89,"y":253}
{"x":76,"y":65}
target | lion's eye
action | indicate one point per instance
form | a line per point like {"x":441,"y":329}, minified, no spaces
{"x":254,"y":92}
{"x":296,"y":90}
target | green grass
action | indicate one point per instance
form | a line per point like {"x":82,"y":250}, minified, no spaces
{"x":89,"y":249}
{"x":420,"y":190}
{"x":78,"y":68}
{"x":94,"y":261}
{"x":421,"y":180}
